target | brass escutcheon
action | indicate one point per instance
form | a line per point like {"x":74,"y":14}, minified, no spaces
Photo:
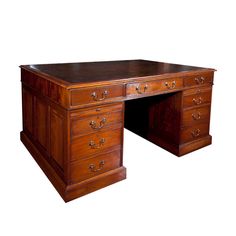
{"x":197,"y":101}
{"x":196,"y":116}
{"x":170,"y":85}
{"x":96,"y":98}
{"x":139,"y":89}
{"x":94,"y":125}
{"x":92,"y":167}
{"x":93,"y":145}
{"x":195,"y":133}
{"x":200,"y":80}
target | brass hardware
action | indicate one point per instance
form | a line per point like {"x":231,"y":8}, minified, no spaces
{"x":138,"y":89}
{"x":197,"y":101}
{"x":200,"y":80}
{"x":94,"y":125}
{"x":196,"y":116}
{"x":93,"y":145}
{"x":92,"y":167}
{"x":196,"y":133}
{"x":96,"y":98}
{"x":170,"y":85}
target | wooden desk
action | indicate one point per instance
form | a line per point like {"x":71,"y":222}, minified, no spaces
{"x":74,"y":115}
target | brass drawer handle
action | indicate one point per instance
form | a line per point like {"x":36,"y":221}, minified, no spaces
{"x":196,"y":133}
{"x":92,"y":167}
{"x":197,"y":101}
{"x":196,"y":116}
{"x":96,"y":98}
{"x":200,"y":80}
{"x":93,"y":124}
{"x":93,"y":145}
{"x":139,"y":89}
{"x":170,"y":85}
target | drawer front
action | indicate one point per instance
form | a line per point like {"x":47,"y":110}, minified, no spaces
{"x":196,"y":116}
{"x":197,"y":90}
{"x":101,"y":121}
{"x":96,"y":94}
{"x":149,"y":87}
{"x":194,"y":132}
{"x":96,"y":110}
{"x":94,"y":166}
{"x":197,"y":99}
{"x":95,"y":143}
{"x":198,"y":80}
{"x":139,"y":89}
{"x":171,"y":84}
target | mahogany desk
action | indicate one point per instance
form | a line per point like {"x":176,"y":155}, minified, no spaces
{"x":74,"y":115}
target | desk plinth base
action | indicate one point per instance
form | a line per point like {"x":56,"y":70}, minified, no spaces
{"x":180,"y":150}
{"x":70,"y":192}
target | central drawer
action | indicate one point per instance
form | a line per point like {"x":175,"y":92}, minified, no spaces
{"x":152,"y":87}
{"x":95,"y":143}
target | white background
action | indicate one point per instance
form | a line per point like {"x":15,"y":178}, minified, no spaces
{"x":163,"y":194}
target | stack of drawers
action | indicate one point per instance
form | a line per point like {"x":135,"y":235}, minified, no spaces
{"x":96,"y":141}
{"x":196,"y":108}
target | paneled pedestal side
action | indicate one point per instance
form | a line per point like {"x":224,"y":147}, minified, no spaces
{"x":79,"y":150}
{"x":74,"y":116}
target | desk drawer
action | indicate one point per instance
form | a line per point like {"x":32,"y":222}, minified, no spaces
{"x":96,"y":94}
{"x":95,"y":143}
{"x":196,"y":116}
{"x":149,"y":87}
{"x":197,"y":99}
{"x":199,"y":80}
{"x":94,"y":166}
{"x":194,"y":132}
{"x":96,"y":110}
{"x":197,"y":90}
{"x":96,"y":119}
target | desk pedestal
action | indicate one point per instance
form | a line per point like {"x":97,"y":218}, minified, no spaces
{"x":172,"y":121}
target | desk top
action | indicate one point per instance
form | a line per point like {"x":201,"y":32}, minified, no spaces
{"x":93,"y":72}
